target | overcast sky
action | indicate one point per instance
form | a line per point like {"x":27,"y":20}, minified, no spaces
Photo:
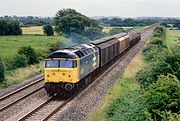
{"x":123,"y":8}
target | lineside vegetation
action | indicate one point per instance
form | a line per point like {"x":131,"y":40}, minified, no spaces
{"x":153,"y":93}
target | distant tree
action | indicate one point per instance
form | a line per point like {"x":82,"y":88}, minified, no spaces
{"x":30,"y":53}
{"x":116,"y":22}
{"x":48,"y":30}
{"x":2,"y":70}
{"x":10,"y":27}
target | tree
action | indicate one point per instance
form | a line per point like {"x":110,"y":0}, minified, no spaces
{"x":69,"y":21}
{"x":2,"y":70}
{"x":10,"y":27}
{"x":48,"y":30}
{"x":30,"y":53}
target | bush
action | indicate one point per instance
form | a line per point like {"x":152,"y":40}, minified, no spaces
{"x":149,"y":74}
{"x":30,"y":53}
{"x":48,"y":30}
{"x":18,"y":61}
{"x":163,"y":96}
{"x":2,"y":70}
{"x":152,"y":51}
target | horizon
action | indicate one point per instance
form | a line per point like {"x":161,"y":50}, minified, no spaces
{"x":122,"y":8}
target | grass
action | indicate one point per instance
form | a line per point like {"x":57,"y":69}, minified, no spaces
{"x":17,"y":76}
{"x":127,"y":81}
{"x":173,"y":36}
{"x":33,"y":30}
{"x":9,"y":45}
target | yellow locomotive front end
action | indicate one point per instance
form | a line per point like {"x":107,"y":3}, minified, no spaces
{"x":61,"y":70}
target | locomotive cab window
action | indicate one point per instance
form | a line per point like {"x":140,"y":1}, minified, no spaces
{"x":61,"y":64}
{"x":68,"y":64}
{"x":52,"y":63}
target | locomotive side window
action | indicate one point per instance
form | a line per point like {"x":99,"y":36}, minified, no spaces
{"x":52,"y":63}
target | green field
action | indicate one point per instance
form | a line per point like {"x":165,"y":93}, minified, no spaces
{"x":173,"y":36}
{"x":9,"y":45}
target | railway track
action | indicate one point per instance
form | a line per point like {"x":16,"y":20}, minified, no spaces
{"x":49,"y":107}
{"x":10,"y":99}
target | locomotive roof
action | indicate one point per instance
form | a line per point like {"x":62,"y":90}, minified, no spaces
{"x":102,"y":40}
{"x":70,"y":52}
{"x":63,"y":54}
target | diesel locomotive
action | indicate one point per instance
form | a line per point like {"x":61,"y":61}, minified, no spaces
{"x":72,"y":68}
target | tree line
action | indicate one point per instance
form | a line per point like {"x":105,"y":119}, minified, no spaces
{"x":127,"y":22}
{"x":10,"y":27}
{"x":30,"y":20}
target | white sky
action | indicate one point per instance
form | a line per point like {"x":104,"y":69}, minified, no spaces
{"x":123,"y":8}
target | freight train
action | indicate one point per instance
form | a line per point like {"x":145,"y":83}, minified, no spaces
{"x":72,"y":68}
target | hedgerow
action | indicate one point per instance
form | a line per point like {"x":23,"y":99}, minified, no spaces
{"x":160,"y":78}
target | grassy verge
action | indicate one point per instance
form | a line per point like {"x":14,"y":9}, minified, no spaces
{"x":122,"y":88}
{"x":21,"y":74}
